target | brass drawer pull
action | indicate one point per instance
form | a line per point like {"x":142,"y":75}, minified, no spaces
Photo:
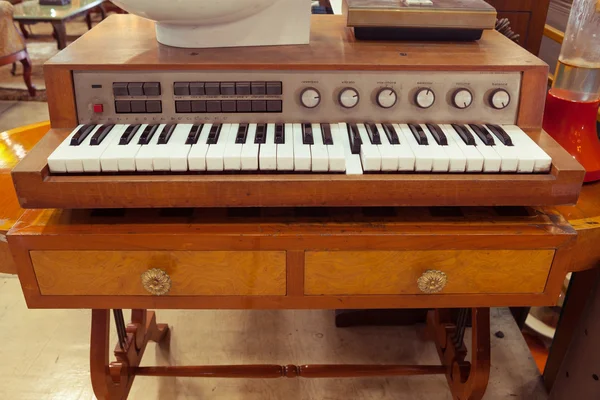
{"x":156,"y":281}
{"x":432,"y":281}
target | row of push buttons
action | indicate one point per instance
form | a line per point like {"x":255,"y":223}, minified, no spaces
{"x":138,"y":106}
{"x":136,"y":89}
{"x":227,"y":106}
{"x":226,"y":88}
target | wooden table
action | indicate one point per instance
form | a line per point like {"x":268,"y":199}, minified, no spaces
{"x":467,"y":258}
{"x":31,"y":11}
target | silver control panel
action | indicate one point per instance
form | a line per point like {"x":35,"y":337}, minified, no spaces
{"x":302,"y":96}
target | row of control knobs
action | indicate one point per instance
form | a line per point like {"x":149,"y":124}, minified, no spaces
{"x":424,"y":98}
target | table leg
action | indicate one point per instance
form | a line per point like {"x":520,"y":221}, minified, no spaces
{"x":113,"y":380}
{"x":61,"y":34}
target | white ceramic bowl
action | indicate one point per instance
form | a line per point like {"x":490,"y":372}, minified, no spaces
{"x":194,"y":12}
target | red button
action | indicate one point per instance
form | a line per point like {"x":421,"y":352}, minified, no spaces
{"x":98,"y":108}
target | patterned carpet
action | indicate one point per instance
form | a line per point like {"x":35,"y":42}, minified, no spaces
{"x":41,"y":46}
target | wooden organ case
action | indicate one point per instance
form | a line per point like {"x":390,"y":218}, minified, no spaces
{"x":266,"y":240}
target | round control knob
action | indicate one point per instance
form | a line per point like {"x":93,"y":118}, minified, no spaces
{"x":310,"y":97}
{"x":386,"y":98}
{"x":424,"y":98}
{"x":348,"y":97}
{"x":462,"y":98}
{"x":499,"y":99}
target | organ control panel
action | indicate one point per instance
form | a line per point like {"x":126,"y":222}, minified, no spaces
{"x":275,"y":96}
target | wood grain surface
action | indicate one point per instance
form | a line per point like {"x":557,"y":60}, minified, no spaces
{"x":394,"y":272}
{"x":117,"y":273}
{"x":14,"y":145}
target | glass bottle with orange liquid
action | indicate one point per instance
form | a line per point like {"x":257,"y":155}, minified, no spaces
{"x":572,"y":102}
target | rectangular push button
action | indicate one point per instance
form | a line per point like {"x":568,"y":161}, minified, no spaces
{"x":213,"y":106}
{"x":197,"y":88}
{"x":242,"y":88}
{"x":138,"y":106}
{"x":228,"y":106}
{"x":181,"y":88}
{"x":122,"y":106}
{"x":153,"y":106}
{"x":212,"y":88}
{"x":274,"y":88}
{"x":152,"y":88}
{"x":227,"y":88}
{"x":274,"y":105}
{"x":244,"y":106}
{"x":120,"y":89}
{"x":183,"y":106}
{"x":135,"y":88}
{"x":198,"y":106}
{"x":259,"y":106}
{"x":258,"y":88}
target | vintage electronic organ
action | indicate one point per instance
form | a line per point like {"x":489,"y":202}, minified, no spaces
{"x":338,"y":122}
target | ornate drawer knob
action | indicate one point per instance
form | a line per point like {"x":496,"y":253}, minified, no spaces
{"x":432,"y":281}
{"x":156,"y":281}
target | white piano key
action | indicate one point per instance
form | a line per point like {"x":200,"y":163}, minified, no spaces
{"x":197,"y":154}
{"x":302,"y":152}
{"x":285,"y":151}
{"x":441,"y":160}
{"x":457,"y":162}
{"x":267,"y":156}
{"x":144,"y":159}
{"x":491,"y":159}
{"x":91,"y":159}
{"x":509,"y":154}
{"x":474,"y":159}
{"x":389,"y":157}
{"x":542,"y":161}
{"x":250,"y":150}
{"x":369,"y":153}
{"x":73,"y":156}
{"x":232,"y":157}
{"x":402,"y":151}
{"x":176,"y":150}
{"x":318,"y":150}
{"x":216,"y":152}
{"x":353,"y":164}
{"x":335,"y":151}
{"x":121,"y":158}
{"x":56,"y":160}
{"x":423,"y":158}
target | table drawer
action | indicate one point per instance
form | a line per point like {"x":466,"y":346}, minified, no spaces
{"x":173,"y":273}
{"x":418,"y":272}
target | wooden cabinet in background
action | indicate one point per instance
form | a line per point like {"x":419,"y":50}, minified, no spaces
{"x":527,"y":18}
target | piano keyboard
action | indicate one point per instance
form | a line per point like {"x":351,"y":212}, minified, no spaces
{"x":299,"y":147}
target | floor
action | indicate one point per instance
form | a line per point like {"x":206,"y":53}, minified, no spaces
{"x":45,"y":355}
{"x":18,"y":113}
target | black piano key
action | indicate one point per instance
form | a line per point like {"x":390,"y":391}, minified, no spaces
{"x":213,"y":135}
{"x":81,"y":134}
{"x":307,"y":134}
{"x":279,"y":134}
{"x":438,"y":134}
{"x":260,"y":137}
{"x":464,"y":134}
{"x":148,"y":134}
{"x":194,"y":134}
{"x":373,"y":133}
{"x":501,"y":134}
{"x":326,"y":133}
{"x":419,"y":134}
{"x":242,"y":134}
{"x":484,"y":134}
{"x":355,"y":140}
{"x":101,"y":134}
{"x":166,"y":133}
{"x":129,"y":134}
{"x":391,"y":134}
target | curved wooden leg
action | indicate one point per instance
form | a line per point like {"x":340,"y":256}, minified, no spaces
{"x":113,"y":380}
{"x":27,"y":68}
{"x":467,"y":380}
{"x":88,"y":19}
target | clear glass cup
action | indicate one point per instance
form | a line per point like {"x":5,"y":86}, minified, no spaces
{"x":577,"y":75}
